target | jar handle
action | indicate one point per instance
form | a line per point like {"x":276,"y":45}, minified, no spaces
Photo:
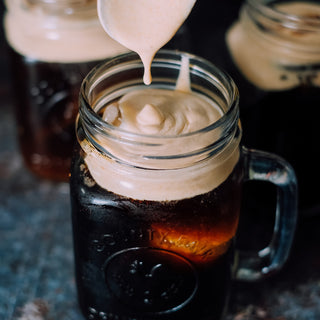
{"x":269,"y":167}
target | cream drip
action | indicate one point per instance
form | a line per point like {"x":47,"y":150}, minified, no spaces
{"x":143,"y":26}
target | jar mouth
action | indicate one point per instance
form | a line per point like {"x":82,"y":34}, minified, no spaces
{"x":269,"y":9}
{"x":221,"y":86}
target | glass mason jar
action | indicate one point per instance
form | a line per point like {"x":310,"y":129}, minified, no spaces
{"x":155,"y":217}
{"x":53,"y":44}
{"x":275,"y":54}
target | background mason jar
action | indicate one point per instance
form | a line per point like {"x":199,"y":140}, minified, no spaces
{"x":54,"y":44}
{"x":273,"y":54}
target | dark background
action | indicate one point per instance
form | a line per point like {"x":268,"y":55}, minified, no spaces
{"x":36,"y":259}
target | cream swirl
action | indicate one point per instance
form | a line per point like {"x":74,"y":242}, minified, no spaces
{"x":161,"y":112}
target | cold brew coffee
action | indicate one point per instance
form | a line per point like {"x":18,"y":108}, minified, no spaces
{"x":139,"y":259}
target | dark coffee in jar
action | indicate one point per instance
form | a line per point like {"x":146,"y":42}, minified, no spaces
{"x":133,"y":256}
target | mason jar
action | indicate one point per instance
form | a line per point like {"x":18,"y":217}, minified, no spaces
{"x":53,"y":44}
{"x":155,"y":216}
{"x":274,"y":50}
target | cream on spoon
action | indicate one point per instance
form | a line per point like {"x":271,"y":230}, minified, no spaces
{"x":143,"y":26}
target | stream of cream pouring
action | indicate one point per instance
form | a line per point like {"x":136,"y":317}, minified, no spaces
{"x":143,"y":26}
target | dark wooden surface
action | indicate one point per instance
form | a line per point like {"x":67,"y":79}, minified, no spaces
{"x":36,"y":257}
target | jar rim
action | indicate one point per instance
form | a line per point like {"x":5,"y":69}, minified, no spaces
{"x":230,"y":116}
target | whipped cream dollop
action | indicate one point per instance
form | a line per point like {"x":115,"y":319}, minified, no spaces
{"x":271,"y":61}
{"x":161,"y":112}
{"x":143,"y":26}
{"x":175,"y":165}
